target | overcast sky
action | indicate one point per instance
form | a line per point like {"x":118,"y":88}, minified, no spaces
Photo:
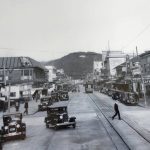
{"x":49,"y":29}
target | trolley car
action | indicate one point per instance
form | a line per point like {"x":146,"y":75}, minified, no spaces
{"x":89,"y":87}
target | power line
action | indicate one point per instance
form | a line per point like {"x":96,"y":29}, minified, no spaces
{"x":134,"y":39}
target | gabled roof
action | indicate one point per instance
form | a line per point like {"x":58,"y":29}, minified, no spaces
{"x":19,"y":62}
{"x":134,"y":59}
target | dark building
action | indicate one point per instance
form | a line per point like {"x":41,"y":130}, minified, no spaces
{"x":139,"y":69}
{"x":19,"y":70}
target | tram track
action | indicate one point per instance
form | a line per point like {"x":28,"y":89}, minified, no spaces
{"x":109,"y":124}
{"x":109,"y":111}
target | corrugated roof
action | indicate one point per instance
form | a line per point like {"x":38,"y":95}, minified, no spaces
{"x":17,"y":63}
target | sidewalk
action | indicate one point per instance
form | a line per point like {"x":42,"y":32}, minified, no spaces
{"x":136,"y":131}
{"x":33,"y":108}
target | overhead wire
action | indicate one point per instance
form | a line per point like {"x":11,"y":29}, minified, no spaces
{"x":135,"y":38}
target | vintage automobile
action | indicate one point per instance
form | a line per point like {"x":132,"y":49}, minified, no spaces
{"x":63,"y":96}
{"x":127,"y":98}
{"x":1,"y":140}
{"x":13,"y":127}
{"x":116,"y":95}
{"x":57,"y":116}
{"x":74,"y":89}
{"x":44,"y":102}
{"x":55,"y":96}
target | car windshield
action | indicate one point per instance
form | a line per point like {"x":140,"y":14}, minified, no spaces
{"x":15,"y":116}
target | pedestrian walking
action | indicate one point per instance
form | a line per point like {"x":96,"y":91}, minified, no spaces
{"x":17,"y":105}
{"x":26,"y":107}
{"x":116,"y":108}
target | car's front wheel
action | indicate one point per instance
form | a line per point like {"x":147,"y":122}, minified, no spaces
{"x":23,"y":136}
{"x":74,"y":126}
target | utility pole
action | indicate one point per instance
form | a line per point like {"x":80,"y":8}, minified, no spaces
{"x":9,"y":93}
{"x":143,"y":84}
{"x":108,"y":45}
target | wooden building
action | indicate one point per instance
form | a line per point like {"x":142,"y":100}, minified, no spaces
{"x":20,"y":70}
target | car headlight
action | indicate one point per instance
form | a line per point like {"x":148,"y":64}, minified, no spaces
{"x":18,"y":125}
{"x":6,"y":127}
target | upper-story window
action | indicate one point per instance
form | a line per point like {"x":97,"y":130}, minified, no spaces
{"x":145,"y":68}
{"x":148,"y":59}
{"x":26,"y":72}
{"x":1,"y":72}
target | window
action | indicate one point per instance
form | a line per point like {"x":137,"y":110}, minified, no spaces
{"x":148,"y":59}
{"x":144,"y":67}
{"x":26,"y":72}
{"x":12,"y":94}
{"x":31,"y":72}
{"x":1,"y":72}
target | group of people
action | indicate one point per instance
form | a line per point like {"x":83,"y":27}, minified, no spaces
{"x":17,"y":106}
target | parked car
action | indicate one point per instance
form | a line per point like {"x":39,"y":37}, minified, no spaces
{"x":57,"y":116}
{"x":13,"y":127}
{"x":1,"y":140}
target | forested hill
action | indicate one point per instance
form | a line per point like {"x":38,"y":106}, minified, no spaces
{"x":76,"y":65}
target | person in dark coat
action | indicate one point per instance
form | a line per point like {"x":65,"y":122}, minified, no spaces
{"x":26,"y":107}
{"x":17,"y":105}
{"x":116,"y":108}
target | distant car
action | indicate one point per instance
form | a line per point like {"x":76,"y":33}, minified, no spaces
{"x":45,"y":102}
{"x":57,"y":116}
{"x":115,"y":96}
{"x":13,"y":127}
{"x":55,"y":96}
{"x":74,"y":89}
{"x":63,"y":95}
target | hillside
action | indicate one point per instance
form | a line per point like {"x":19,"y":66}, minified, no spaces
{"x":76,"y":65}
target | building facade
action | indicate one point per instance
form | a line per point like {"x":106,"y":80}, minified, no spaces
{"x":21,"y":70}
{"x":111,"y":59}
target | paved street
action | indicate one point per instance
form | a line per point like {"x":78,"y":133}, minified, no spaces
{"x":94,"y":130}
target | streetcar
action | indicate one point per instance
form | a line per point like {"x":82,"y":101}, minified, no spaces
{"x":88,"y":87}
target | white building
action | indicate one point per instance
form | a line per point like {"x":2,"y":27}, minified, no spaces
{"x":51,"y":73}
{"x":97,"y":66}
{"x":110,"y":60}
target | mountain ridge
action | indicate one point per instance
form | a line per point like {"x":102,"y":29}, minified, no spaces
{"x":77,"y":64}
